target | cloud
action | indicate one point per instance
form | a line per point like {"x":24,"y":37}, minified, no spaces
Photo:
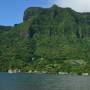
{"x":77,"y":5}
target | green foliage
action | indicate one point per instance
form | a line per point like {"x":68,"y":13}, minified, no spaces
{"x":47,"y":41}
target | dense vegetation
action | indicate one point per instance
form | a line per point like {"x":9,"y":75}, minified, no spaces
{"x":49,"y":39}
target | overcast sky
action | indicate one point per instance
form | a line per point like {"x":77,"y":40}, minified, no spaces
{"x":11,"y":11}
{"x":78,"y":5}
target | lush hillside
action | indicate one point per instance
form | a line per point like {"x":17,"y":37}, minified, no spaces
{"x":49,"y":39}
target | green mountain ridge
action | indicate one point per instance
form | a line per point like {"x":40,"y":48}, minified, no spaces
{"x":49,"y":39}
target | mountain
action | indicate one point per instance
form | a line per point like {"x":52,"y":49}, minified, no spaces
{"x":49,"y":39}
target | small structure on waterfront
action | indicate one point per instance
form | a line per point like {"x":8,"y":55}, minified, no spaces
{"x":13,"y":71}
{"x":85,"y":74}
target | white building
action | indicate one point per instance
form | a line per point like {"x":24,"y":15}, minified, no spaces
{"x":85,"y":74}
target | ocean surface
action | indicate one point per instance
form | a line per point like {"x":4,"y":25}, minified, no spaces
{"x":43,"y":82}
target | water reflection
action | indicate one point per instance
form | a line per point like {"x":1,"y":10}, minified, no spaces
{"x":43,"y":82}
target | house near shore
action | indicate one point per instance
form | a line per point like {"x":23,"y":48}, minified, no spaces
{"x":85,"y":74}
{"x":13,"y":70}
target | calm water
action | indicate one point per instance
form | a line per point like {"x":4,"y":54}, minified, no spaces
{"x":43,"y":82}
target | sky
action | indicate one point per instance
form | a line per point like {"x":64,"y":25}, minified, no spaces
{"x":77,"y":5}
{"x":11,"y":11}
